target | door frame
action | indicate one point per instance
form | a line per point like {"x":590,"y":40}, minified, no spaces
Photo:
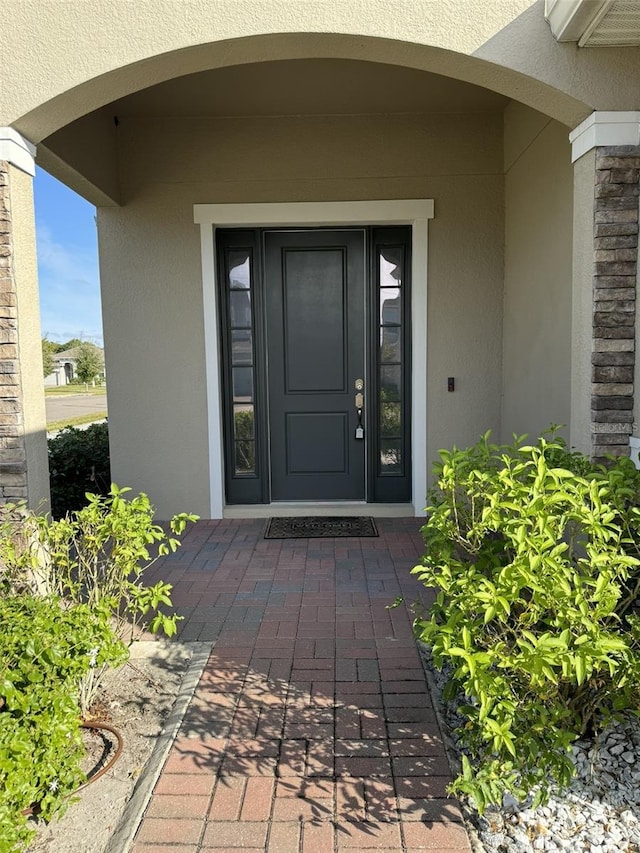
{"x":414,"y":212}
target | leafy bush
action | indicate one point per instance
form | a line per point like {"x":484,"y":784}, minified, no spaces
{"x":99,"y":555}
{"x":46,"y":648}
{"x":72,"y":595}
{"x":533,"y":554}
{"x":96,"y":557}
{"x":78,"y":463}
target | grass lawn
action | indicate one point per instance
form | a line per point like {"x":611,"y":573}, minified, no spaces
{"x":78,"y":420}
{"x":61,"y":390}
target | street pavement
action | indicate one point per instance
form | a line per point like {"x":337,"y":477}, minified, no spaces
{"x":73,"y":405}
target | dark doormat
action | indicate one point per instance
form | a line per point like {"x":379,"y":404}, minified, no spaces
{"x":318,"y":526}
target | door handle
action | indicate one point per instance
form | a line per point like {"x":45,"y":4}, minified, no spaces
{"x":359,"y":401}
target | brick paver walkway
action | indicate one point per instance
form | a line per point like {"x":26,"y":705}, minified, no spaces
{"x":311,"y":730}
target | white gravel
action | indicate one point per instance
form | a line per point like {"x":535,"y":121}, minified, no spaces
{"x":600,"y":812}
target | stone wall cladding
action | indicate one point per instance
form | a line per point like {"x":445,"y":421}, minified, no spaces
{"x":13,"y":470}
{"x":615,"y":268}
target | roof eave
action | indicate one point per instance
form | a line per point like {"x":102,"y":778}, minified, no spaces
{"x":571,"y":19}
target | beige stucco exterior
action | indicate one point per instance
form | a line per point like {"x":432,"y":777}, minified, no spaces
{"x":466,"y":103}
{"x":171,"y":38}
{"x":29,"y":349}
{"x":320,"y":159}
{"x":505,"y":47}
{"x":537,"y":275}
{"x":581,"y":310}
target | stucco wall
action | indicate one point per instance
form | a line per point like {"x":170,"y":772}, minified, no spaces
{"x":83,"y":156}
{"x":582,"y":301}
{"x":153,"y":333}
{"x":537,"y":289}
{"x":464,"y":330}
{"x":151,"y":277}
{"x":90,"y":52}
{"x":66,"y":60}
{"x":28,"y":347}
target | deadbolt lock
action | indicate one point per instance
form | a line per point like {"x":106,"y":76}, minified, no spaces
{"x":359,"y":384}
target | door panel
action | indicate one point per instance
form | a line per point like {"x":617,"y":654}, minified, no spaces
{"x":314,"y":282}
{"x":314,"y":307}
{"x":326,"y":433}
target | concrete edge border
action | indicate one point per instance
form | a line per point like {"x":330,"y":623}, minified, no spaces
{"x":125,"y":830}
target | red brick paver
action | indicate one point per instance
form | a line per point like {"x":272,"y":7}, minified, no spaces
{"x":311,"y":730}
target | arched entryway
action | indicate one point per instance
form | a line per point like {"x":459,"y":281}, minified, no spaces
{"x":319,"y":111}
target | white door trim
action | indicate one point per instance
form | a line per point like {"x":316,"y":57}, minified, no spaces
{"x":414,"y":212}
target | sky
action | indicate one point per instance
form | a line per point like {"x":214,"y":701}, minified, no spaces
{"x":67,"y":263}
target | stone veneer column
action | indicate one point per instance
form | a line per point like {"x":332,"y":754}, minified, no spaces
{"x":24,"y":471}
{"x":615,"y":255}
{"x":614,"y":139}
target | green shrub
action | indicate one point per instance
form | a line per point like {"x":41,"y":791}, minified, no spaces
{"x":72,"y":595}
{"x":97,"y":557}
{"x":46,"y":648}
{"x":533,"y":554}
{"x":78,"y":463}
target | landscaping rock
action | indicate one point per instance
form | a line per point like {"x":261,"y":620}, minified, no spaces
{"x":599,"y":813}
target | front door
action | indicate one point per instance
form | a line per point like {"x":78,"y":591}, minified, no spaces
{"x":315,"y":308}
{"x":306,"y":317}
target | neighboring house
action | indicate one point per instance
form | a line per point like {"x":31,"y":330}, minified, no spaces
{"x":65,"y":366}
{"x":300,"y":202}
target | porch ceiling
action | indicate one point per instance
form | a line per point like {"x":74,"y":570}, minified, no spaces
{"x":84,"y":153}
{"x":308,"y":87}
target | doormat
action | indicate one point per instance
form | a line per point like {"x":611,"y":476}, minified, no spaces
{"x":319,"y":526}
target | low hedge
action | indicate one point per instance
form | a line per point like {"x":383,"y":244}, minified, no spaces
{"x":78,"y":463}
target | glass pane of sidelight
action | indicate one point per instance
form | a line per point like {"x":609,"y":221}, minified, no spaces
{"x":391,"y":266}
{"x":242,"y":384}
{"x":238,"y":251}
{"x":239,"y":270}
{"x":392,"y":426}
{"x":241,"y":346}
{"x":390,"y":383}
{"x":390,"y":307}
{"x":243,"y":422}
{"x":240,"y":305}
{"x":390,"y":344}
{"x":390,"y":420}
{"x":245,"y":457}
{"x":391,"y":456}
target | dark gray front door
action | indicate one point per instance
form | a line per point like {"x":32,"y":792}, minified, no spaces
{"x":314,"y":287}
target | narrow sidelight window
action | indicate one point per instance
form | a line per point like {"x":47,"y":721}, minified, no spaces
{"x":238,"y":259}
{"x":390,"y":363}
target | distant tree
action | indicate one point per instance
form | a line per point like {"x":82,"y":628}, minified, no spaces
{"x":48,"y":351}
{"x":88,"y":364}
{"x":71,"y":344}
